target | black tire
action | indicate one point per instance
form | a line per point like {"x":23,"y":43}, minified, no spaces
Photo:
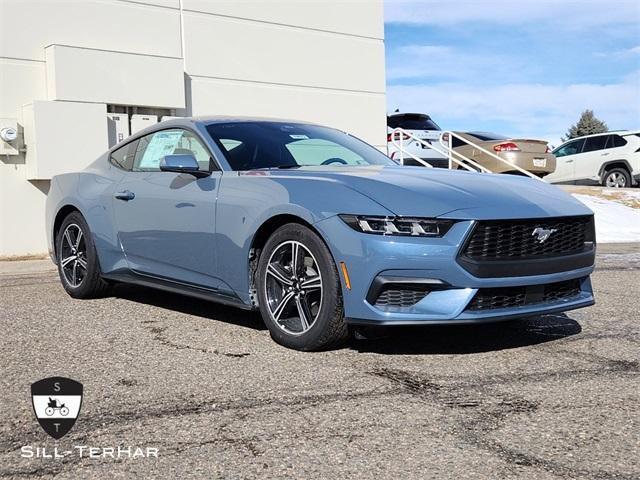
{"x":328,"y":330}
{"x":89,"y":283}
{"x":620,"y":176}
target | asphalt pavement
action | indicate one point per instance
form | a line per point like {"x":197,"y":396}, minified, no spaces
{"x":547,"y":397}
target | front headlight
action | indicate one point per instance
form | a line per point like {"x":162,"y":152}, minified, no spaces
{"x":416,"y":227}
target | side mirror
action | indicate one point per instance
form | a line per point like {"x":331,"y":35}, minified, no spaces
{"x":181,"y":163}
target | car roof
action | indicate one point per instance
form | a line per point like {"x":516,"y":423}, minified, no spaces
{"x":190,"y":122}
{"x":212,"y":119}
{"x":209,"y":119}
{"x":622,"y":133}
{"x":407,"y":114}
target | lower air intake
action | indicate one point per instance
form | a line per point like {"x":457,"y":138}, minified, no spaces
{"x":509,"y":297}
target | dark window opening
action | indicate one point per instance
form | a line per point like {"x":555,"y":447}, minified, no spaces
{"x":412,"y":121}
{"x":593,"y":144}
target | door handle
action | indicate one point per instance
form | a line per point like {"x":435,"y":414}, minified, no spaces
{"x":603,"y":154}
{"x":568,"y":161}
{"x":126,"y":195}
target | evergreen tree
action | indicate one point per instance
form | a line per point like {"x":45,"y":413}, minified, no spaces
{"x":587,"y":125}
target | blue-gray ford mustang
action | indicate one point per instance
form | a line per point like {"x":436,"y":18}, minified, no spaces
{"x":317,"y":230}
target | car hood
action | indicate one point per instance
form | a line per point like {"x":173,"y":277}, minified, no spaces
{"x":423,"y":192}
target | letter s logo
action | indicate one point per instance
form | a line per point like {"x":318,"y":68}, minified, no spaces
{"x":26,"y":451}
{"x":56,"y":386}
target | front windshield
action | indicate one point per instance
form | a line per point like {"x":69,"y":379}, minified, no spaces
{"x":255,"y":145}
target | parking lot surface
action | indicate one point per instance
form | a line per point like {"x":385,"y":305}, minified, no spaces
{"x":547,"y":397}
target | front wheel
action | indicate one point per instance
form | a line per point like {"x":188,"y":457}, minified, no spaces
{"x":299,"y":290}
{"x":78,"y":264}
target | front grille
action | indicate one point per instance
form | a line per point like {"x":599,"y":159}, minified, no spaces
{"x":508,"y":297}
{"x":392,"y":297}
{"x":514,"y":239}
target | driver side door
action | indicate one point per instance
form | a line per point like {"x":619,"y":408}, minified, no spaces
{"x":166,"y":220}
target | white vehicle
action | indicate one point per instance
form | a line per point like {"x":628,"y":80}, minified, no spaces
{"x":611,"y":159}
{"x":422,"y":127}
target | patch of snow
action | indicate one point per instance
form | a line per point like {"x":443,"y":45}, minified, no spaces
{"x":615,"y":222}
{"x":614,"y":192}
{"x":632,"y":194}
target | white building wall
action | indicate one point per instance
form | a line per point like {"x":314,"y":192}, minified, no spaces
{"x":321,"y":61}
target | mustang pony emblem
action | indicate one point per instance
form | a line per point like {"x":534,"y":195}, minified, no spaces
{"x":542,"y":234}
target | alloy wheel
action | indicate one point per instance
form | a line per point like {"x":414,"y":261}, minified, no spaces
{"x":616,"y":180}
{"x":73,"y":255}
{"x":293,"y":287}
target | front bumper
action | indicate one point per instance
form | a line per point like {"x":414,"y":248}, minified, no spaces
{"x":432,"y":260}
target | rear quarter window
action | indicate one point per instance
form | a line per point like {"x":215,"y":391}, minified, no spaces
{"x":123,"y":156}
{"x":617,"y":141}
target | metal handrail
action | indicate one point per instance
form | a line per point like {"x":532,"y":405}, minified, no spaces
{"x":451,"y":153}
{"x":401,"y":134}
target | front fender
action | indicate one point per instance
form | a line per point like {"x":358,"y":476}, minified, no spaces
{"x":89,"y":192}
{"x":246,"y":202}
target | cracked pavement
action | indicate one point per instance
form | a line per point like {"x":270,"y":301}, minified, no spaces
{"x":549,"y":397}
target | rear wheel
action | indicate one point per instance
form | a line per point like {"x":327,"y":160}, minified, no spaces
{"x":616,"y":178}
{"x":78,"y":265}
{"x":299,"y":290}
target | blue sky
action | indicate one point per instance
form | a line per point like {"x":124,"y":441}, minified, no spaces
{"x":520,"y":67}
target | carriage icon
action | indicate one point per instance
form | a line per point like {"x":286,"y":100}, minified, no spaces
{"x":53,"y":405}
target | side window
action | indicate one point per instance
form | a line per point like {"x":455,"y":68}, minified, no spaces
{"x":618,"y":141}
{"x":190,"y":143}
{"x":593,"y":144}
{"x":123,"y":157}
{"x":152,"y":148}
{"x":570,"y":148}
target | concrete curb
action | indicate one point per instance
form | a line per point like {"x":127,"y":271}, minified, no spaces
{"x":22,"y":267}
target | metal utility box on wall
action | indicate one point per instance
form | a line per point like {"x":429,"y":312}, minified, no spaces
{"x":62,"y":137}
{"x":9,"y":136}
{"x":138,"y":122}
{"x":118,"y":127}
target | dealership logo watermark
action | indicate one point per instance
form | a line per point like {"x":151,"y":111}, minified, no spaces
{"x":56,"y":404}
{"x":85,"y":451}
